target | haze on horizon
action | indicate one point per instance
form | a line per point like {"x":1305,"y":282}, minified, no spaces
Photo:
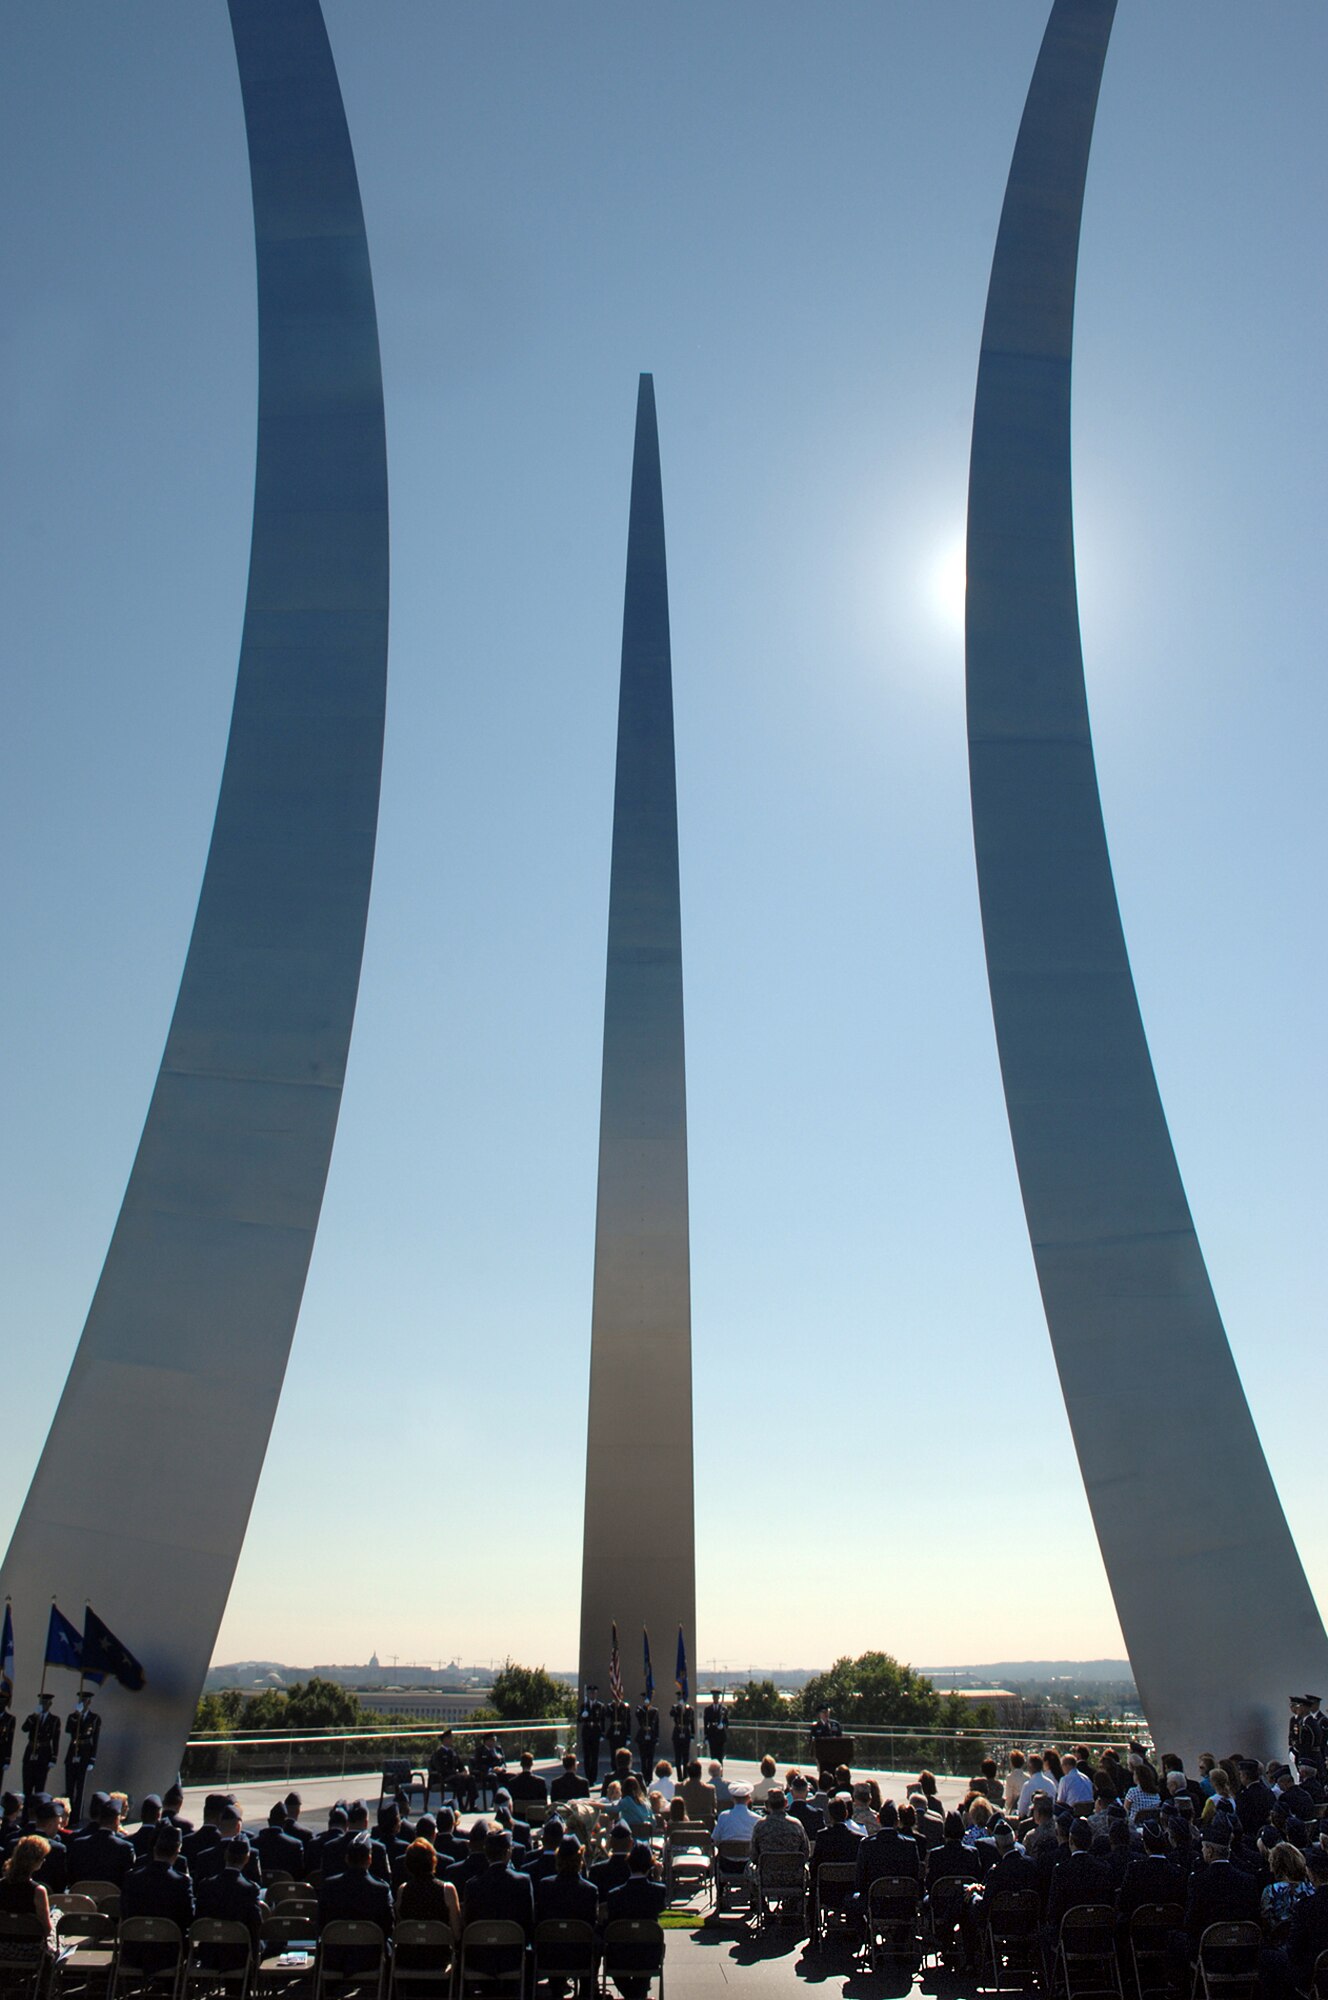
{"x":788,"y":217}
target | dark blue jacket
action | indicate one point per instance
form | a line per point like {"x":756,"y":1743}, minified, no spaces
{"x":500,"y":1895}
{"x":155,"y":1889}
{"x":569,"y":1897}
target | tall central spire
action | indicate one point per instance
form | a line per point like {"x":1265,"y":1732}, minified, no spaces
{"x":639,"y":1562}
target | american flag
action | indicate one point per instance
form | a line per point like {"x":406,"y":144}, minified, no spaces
{"x":615,"y":1669}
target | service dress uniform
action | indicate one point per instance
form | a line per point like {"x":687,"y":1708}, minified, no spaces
{"x":83,"y":1728}
{"x":42,"y":1729}
{"x":715,"y":1723}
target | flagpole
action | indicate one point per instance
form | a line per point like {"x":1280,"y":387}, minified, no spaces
{"x":45,"y":1650}
{"x":87,"y":1606}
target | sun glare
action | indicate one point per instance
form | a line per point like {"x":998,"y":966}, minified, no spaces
{"x":947,"y":582}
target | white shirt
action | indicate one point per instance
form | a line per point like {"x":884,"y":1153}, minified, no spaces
{"x":1038,"y":1781}
{"x":735,"y":1823}
{"x":1074,"y":1788}
{"x":664,"y":1786}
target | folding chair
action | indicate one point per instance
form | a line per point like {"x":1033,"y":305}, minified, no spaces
{"x":219,"y":1958}
{"x":1319,"y":1978}
{"x":1009,"y":1935}
{"x":1154,"y":1960}
{"x":351,"y":1956}
{"x":891,"y":1918}
{"x":565,"y":1949}
{"x":493,"y":1959}
{"x":148,"y":1955}
{"x":87,"y":1947}
{"x":633,"y":1950}
{"x":940,"y":1916}
{"x":689,"y":1860}
{"x":106,"y":1895}
{"x":1085,"y":1958}
{"x":1227,"y":1967}
{"x":533,"y":1811}
{"x":294,"y":1939}
{"x":781,"y":1880}
{"x":422,"y":1960}
{"x":835,"y":1883}
{"x":731,"y":1859}
{"x":25,"y":1956}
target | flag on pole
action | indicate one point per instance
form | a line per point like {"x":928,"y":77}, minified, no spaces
{"x":64,"y":1644}
{"x":7,"y":1654}
{"x":681,"y":1670}
{"x":650,"y":1672}
{"x":615,"y":1669}
{"x":104,"y":1654}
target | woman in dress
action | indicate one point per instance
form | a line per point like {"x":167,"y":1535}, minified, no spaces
{"x":20,"y":1895}
{"x":422,"y":1898}
{"x":1144,"y":1795}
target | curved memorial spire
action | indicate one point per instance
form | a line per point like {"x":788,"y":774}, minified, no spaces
{"x":142,"y":1494}
{"x":1213,"y":1602}
{"x":639,"y":1561}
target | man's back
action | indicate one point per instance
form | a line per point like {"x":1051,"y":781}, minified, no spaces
{"x":569,"y":1786}
{"x":1220,"y":1893}
{"x":835,"y":1844}
{"x":570,"y":1898}
{"x":1011,"y":1870}
{"x":1079,"y":1878}
{"x":155,"y":1889}
{"x":1150,"y":1878}
{"x":887,"y":1852}
{"x":101,"y":1855}
{"x":699,"y":1799}
{"x":230,"y":1898}
{"x":637,"y":1897}
{"x":780,"y":1833}
{"x":528,"y":1785}
{"x":501,"y":1895}
{"x":357,"y":1895}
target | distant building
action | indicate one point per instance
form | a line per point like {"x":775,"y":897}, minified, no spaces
{"x":442,"y":1705}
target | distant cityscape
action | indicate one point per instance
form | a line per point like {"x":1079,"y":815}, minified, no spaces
{"x":1016,"y":1693}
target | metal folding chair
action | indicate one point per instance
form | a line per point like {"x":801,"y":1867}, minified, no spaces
{"x":1086,"y":1960}
{"x":835,"y":1883}
{"x":566,"y":1949}
{"x":148,"y":1955}
{"x":781,"y":1881}
{"x":493,"y":1959}
{"x":892,"y":1918}
{"x":351,"y":1958}
{"x":1154,"y":1960}
{"x":423,"y":1960}
{"x":1009,"y":1935}
{"x":219,"y":1958}
{"x":633,"y":1950}
{"x":1227,"y":1967}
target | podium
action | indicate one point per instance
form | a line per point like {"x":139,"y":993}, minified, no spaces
{"x":832,"y":1751}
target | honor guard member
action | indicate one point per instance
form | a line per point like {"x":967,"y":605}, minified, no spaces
{"x":1311,"y":1734}
{"x":84,"y":1730}
{"x":647,"y":1735}
{"x":6,"y":1733}
{"x":590,"y":1721}
{"x":682,"y":1716}
{"x":42,"y":1729}
{"x":715,"y":1723}
{"x":618,"y":1728}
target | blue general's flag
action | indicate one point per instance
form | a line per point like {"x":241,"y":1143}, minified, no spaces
{"x":681,"y":1670}
{"x":650,"y":1672}
{"x":64,"y":1644}
{"x":7,"y":1654}
{"x":104,"y":1654}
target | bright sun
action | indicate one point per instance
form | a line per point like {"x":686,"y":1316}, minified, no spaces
{"x":946,"y":582}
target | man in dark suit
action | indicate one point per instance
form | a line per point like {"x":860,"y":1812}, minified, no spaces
{"x":608,"y":1875}
{"x":197,"y":1843}
{"x":1151,"y":1877}
{"x":159,"y":1886}
{"x":639,"y":1895}
{"x":801,"y":1807}
{"x":356,"y":1894}
{"x":172,"y":1805}
{"x":500,"y":1894}
{"x":1254,"y":1800}
{"x":1220,"y":1893}
{"x":449,"y":1845}
{"x":101,"y":1853}
{"x":566,"y":1894}
{"x":527,"y":1787}
{"x":473,"y":1862}
{"x":544,"y":1860}
{"x":54,"y":1871}
{"x":279,"y":1851}
{"x":571,"y":1785}
{"x":295,"y":1827}
{"x":212,"y":1860}
{"x":834,"y":1844}
{"x":144,"y":1837}
{"x":1077,"y":1878}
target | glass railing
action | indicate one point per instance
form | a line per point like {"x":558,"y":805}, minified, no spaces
{"x":275,"y":1757}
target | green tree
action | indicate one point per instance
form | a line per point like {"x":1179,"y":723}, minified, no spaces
{"x":527,"y":1694}
{"x":874,"y":1688}
{"x":218,"y":1714}
{"x":759,"y":1701}
{"x":319,"y":1704}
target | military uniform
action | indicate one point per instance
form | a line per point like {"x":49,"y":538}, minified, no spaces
{"x":715,"y":1723}
{"x":6,"y":1739}
{"x":83,"y":1728}
{"x":683,"y":1718}
{"x":42,"y":1729}
{"x":619,"y":1728}
{"x":1308,"y":1735}
{"x":591,"y":1724}
{"x":647,"y":1736}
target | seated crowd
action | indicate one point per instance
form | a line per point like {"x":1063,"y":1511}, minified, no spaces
{"x":1236,"y":1841}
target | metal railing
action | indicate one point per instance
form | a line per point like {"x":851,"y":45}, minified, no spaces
{"x":278,"y":1757}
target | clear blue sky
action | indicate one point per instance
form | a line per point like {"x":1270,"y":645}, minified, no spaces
{"x":787,"y":213}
